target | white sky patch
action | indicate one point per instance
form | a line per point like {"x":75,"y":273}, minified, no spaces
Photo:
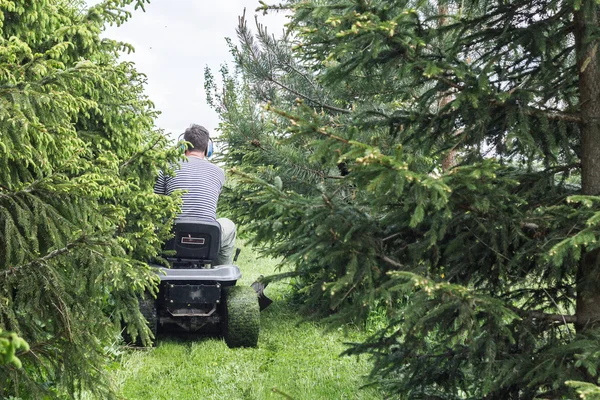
{"x":174,"y":41}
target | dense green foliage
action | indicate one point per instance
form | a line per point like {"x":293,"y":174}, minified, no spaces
{"x":439,"y":161}
{"x":78,"y":157}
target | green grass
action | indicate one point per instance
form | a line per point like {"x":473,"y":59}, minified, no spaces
{"x":294,"y":358}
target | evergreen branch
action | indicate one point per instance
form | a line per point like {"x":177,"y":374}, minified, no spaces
{"x":300,"y":73}
{"x":12,"y":195}
{"x":357,"y":280}
{"x":551,"y":115}
{"x":307,"y":98}
{"x":30,"y":188}
{"x":310,"y":170}
{"x":141,"y":153}
{"x":571,"y":319}
{"x":53,"y":254}
{"x":63,"y":310}
{"x":447,"y":354}
{"x":392,"y":262}
{"x":531,"y":111}
{"x":448,"y":82}
{"x":487,"y":245}
{"x":254,"y":50}
{"x":301,"y":167}
{"x":562,"y":168}
{"x":530,"y":225}
{"x":557,"y":307}
{"x":391,"y":236}
{"x":51,"y":78}
{"x":295,"y":119}
{"x":264,"y":7}
{"x":303,"y":75}
{"x":322,"y":131}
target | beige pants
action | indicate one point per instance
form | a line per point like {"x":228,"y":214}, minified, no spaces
{"x":225,"y":256}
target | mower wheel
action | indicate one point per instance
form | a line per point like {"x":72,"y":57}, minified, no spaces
{"x":242,"y":317}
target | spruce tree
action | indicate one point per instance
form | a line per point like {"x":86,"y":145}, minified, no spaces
{"x":78,"y":217}
{"x":487,"y":269}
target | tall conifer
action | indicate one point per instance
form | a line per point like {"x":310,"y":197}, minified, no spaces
{"x":488,"y":270}
{"x":78,"y":219}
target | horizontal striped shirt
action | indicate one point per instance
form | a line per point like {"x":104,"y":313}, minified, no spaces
{"x":202,"y":182}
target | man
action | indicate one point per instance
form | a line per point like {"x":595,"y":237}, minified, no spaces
{"x":201,"y":182}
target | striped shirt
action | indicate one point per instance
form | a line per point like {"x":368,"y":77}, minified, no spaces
{"x":202,"y":182}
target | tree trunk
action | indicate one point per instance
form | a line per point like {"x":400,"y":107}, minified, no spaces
{"x":450,"y":160}
{"x":588,"y":65}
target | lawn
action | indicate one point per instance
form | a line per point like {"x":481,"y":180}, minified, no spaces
{"x":294,"y":359}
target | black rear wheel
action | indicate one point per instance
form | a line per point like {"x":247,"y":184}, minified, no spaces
{"x":241,"y":324}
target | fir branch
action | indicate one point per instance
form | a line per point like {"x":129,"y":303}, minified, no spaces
{"x":265,"y":8}
{"x":557,"y":307}
{"x":63,"y":310}
{"x":385,"y":239}
{"x":141,"y":153}
{"x":12,"y":195}
{"x":552,"y":115}
{"x":301,"y":167}
{"x":53,"y":254}
{"x":307,"y":98}
{"x":530,"y":225}
{"x":562,"y":168}
{"x":247,"y":38}
{"x":296,"y":119}
{"x":357,"y":280}
{"x":448,"y":354}
{"x":528,"y":110}
{"x":49,"y":79}
{"x":392,"y":262}
{"x":487,"y":245}
{"x":298,"y":72}
{"x":563,"y":318}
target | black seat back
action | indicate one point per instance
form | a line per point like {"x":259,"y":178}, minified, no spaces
{"x":195,"y":240}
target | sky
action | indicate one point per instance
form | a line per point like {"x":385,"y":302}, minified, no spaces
{"x":174,"y":41}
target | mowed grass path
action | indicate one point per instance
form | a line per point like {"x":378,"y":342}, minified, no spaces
{"x":294,"y":359}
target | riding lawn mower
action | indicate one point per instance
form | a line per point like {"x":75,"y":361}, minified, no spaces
{"x":196,"y":296}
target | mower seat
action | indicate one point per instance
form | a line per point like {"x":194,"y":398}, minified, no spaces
{"x":194,"y":241}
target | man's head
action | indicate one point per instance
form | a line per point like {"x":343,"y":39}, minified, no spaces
{"x":198,"y":137}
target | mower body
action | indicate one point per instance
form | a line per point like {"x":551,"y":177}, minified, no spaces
{"x":197,"y":296}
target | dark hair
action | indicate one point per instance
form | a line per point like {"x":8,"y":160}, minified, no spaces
{"x":198,"y":136}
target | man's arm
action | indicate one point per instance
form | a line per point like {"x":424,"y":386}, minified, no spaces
{"x":160,"y":185}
